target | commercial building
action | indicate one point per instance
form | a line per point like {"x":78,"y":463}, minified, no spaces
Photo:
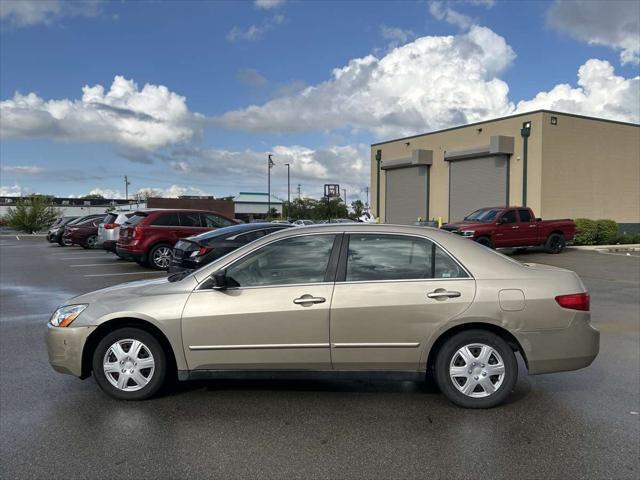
{"x":76,"y":207}
{"x":561,"y":165}
{"x":254,"y":205}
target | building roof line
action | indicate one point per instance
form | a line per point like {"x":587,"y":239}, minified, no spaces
{"x":506,"y":118}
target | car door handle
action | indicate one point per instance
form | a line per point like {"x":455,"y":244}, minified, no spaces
{"x":532,"y":226}
{"x":308,"y":300}
{"x":515,"y":227}
{"x":442,"y":293}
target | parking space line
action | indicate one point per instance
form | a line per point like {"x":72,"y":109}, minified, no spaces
{"x":107,"y":264}
{"x":127,"y":273}
{"x":76,"y":258}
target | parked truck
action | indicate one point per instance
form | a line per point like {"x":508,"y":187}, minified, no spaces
{"x":514,"y":227}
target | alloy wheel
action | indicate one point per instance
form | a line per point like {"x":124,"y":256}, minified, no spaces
{"x":128,"y":365}
{"x":162,"y":257}
{"x":477,"y":370}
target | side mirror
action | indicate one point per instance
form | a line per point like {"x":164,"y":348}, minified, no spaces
{"x":220,"y":280}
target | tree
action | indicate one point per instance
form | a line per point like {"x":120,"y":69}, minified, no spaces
{"x":32,"y":214}
{"x":358,"y":209}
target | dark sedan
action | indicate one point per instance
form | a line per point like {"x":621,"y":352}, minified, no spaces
{"x":194,"y":252}
{"x":57,"y":229}
{"x":58,"y":237}
{"x":84,"y":232}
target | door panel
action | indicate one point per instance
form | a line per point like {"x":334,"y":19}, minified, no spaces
{"x":507,"y":234}
{"x":257,"y":328}
{"x":398,"y":315}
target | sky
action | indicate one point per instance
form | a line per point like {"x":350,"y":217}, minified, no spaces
{"x":189,"y":97}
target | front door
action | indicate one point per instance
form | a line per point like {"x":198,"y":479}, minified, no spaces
{"x":391,"y":294}
{"x":277,"y":317}
{"x":507,"y":230}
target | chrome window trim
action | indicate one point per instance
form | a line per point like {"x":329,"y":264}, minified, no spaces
{"x":226,"y":265}
{"x":235,"y":289}
{"x":470,"y":276}
{"x":405,"y":280}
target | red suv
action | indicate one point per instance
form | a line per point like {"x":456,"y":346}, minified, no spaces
{"x":149,"y":235}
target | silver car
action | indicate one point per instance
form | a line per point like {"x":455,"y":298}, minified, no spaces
{"x":109,"y":229}
{"x":337,"y":299}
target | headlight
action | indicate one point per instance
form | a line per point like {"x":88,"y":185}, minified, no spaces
{"x":63,"y":316}
{"x":467,"y":233}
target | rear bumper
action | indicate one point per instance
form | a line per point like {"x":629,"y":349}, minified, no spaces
{"x":561,"y":350}
{"x":65,"y":346}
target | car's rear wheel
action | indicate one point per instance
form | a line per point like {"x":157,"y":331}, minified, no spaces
{"x":476,"y":369}
{"x":160,"y":256}
{"x":129,"y":364}
{"x":486,"y":241}
{"x":90,"y":242}
{"x":555,"y":243}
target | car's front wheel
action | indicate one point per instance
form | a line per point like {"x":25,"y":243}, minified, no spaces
{"x":476,"y":369}
{"x":129,"y":364}
{"x":160,"y":256}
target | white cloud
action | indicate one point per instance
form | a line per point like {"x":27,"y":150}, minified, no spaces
{"x":396,"y":35}
{"x":254,"y":32}
{"x":174,"y":191}
{"x":613,"y":23}
{"x":25,"y":13}
{"x":133,"y":119}
{"x":268,"y":4}
{"x":22,"y":169}
{"x":427,"y":84}
{"x":600,"y":92}
{"x":106,"y":193}
{"x":14,"y":190}
{"x":443,"y":12}
{"x":251,"y":77}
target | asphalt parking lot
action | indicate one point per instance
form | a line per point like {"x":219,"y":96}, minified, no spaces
{"x":582,"y":424}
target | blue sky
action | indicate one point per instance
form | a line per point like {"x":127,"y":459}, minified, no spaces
{"x":232,"y":81}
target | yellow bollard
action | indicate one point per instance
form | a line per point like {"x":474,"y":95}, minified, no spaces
{"x":439,"y":222}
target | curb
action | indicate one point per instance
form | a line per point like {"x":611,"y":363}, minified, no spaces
{"x":633,"y":247}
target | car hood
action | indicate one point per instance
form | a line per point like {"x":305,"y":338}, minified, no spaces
{"x":130,"y":290}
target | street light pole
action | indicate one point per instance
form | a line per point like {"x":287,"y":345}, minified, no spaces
{"x":288,"y":189}
{"x":270,"y":164}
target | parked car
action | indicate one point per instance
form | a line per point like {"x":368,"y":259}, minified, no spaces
{"x":149,"y":235}
{"x":302,"y":223}
{"x":59,"y":238}
{"x":58,"y":226}
{"x":84,"y":233}
{"x":194,"y":252}
{"x":497,"y":227}
{"x":344,"y":298}
{"x":282,"y":222}
{"x":109,"y":229}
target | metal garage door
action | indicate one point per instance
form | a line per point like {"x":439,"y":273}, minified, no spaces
{"x":407,"y":194}
{"x":476,"y":183}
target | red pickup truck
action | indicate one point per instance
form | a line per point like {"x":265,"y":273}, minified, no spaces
{"x":498,"y":227}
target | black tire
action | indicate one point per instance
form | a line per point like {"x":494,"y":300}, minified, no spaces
{"x":154,"y":347}
{"x":555,"y":243}
{"x":447,"y":354}
{"x":90,"y":242}
{"x":61,"y":242}
{"x":152,"y":258}
{"x":486,"y":241}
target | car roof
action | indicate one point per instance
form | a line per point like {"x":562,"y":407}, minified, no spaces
{"x":237,"y":229}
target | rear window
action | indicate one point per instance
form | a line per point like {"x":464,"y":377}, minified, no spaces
{"x":110,"y":218}
{"x":136,"y":218}
{"x":169,"y":219}
{"x":525,"y":215}
{"x":210,"y":220}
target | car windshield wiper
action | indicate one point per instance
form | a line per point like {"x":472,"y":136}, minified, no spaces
{"x":176,"y":277}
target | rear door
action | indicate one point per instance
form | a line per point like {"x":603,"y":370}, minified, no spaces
{"x":190,"y":224}
{"x":392,"y":292}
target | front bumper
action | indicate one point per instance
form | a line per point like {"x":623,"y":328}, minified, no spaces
{"x":561,"y":350}
{"x":65,"y":346}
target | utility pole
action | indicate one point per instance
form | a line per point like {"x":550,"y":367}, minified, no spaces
{"x":299,"y":191}
{"x":366,"y":189}
{"x":345,"y":196}
{"x":288,"y":189}
{"x":126,"y":187}
{"x":270,"y":164}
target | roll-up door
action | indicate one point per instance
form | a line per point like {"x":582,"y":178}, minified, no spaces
{"x":477,"y":182}
{"x":407,"y":194}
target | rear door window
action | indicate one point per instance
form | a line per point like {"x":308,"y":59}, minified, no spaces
{"x":525,"y":215}
{"x":166,"y":220}
{"x":210,"y":220}
{"x":189,"y":219}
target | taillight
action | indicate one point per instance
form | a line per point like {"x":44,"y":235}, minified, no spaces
{"x":203,"y":250}
{"x":111,"y":226}
{"x":137,"y":233}
{"x":574,"y":301}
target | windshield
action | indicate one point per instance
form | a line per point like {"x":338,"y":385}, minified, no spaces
{"x":485,"y":215}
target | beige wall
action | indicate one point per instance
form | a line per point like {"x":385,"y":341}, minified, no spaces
{"x":590,"y":169}
{"x":462,"y":139}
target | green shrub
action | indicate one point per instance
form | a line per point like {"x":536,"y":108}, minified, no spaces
{"x":628,"y":238}
{"x":586,"y":231}
{"x":606,"y":232}
{"x":31,"y":214}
